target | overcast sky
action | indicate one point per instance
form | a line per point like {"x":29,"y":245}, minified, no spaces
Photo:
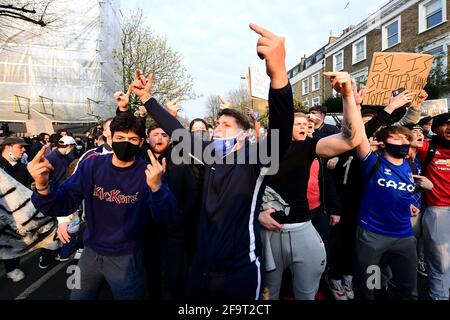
{"x":217,"y":46}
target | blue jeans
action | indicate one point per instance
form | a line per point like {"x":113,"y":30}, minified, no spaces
{"x":124,"y":274}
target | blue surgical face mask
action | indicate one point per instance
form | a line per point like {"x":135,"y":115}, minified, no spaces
{"x":224,"y":146}
{"x":399,"y":151}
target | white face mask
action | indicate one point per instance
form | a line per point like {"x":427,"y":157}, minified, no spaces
{"x":13,"y":158}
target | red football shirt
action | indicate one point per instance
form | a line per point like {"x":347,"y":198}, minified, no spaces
{"x":438,"y":171}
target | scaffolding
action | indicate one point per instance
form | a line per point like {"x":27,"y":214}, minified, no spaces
{"x":56,"y":70}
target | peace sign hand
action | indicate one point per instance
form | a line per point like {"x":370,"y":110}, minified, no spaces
{"x":142,"y":86}
{"x":39,"y":168}
{"x":122,"y":99}
{"x":154,"y":172}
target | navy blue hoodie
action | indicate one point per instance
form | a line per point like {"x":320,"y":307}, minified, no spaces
{"x":117,"y":204}
{"x":229,"y":231}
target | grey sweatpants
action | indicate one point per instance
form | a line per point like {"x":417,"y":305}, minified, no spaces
{"x":303,"y":252}
{"x":399,"y":253}
{"x":124,"y":274}
{"x":436,"y":234}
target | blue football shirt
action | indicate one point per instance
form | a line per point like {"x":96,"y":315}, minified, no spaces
{"x":388,"y":195}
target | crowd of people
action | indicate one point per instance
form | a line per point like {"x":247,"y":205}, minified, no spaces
{"x":353,"y":211}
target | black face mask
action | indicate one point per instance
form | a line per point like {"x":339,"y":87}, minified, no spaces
{"x":397,"y":151}
{"x":125,"y":151}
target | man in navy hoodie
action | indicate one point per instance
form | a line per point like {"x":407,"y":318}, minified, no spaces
{"x":119,"y":191}
{"x":227,"y":262}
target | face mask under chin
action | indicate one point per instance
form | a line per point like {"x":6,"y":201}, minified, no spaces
{"x":224,"y":146}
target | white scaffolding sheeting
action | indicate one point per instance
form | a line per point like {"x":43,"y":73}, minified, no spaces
{"x":70,"y":63}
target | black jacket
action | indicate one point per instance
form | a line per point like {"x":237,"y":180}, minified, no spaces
{"x":229,"y":231}
{"x":18,"y":172}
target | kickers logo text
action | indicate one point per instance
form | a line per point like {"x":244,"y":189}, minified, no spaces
{"x":114,"y":196}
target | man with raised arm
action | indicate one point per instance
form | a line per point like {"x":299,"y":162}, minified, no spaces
{"x":119,"y":191}
{"x":227,"y":262}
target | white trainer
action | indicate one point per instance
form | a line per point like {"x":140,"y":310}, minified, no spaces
{"x":16,"y":275}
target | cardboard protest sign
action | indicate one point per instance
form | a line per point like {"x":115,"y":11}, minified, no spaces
{"x":431,"y":108}
{"x":396,"y":70}
{"x":259,"y":83}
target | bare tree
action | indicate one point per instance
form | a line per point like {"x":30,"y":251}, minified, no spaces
{"x":212,"y":108}
{"x":240,"y":99}
{"x":17,"y":16}
{"x":150,"y":53}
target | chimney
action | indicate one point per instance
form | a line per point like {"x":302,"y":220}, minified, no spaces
{"x":332,"y":39}
{"x":348,"y":29}
{"x":302,"y":62}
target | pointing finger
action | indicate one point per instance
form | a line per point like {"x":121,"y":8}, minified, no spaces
{"x":39,"y":155}
{"x":261,"y":31}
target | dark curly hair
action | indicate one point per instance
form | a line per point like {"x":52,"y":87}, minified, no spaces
{"x":127,"y":122}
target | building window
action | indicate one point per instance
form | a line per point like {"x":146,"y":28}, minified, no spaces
{"x":359,"y":50}
{"x":338,"y":61}
{"x":391,"y":33}
{"x":440,"y":60}
{"x":305,"y":86}
{"x":360,"y":77}
{"x":316,"y":101}
{"x":431,"y":14}
{"x":360,"y":81}
{"x":316,"y":82}
{"x":306,"y":104}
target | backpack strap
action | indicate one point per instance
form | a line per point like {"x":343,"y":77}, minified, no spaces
{"x":430,"y":155}
{"x":413,"y":166}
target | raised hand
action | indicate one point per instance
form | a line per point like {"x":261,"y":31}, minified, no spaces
{"x":402,"y":99}
{"x":122,"y":99}
{"x":154,"y":172}
{"x":252,"y":114}
{"x":171,"y":106}
{"x":271,"y":48}
{"x":341,"y":82}
{"x":39,"y":168}
{"x":423,"y":95}
{"x":142,"y":86}
{"x":224,"y":104}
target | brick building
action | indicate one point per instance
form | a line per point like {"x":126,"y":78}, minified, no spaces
{"x":399,"y":26}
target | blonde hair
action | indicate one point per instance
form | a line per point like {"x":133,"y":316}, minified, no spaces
{"x":300,"y":115}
